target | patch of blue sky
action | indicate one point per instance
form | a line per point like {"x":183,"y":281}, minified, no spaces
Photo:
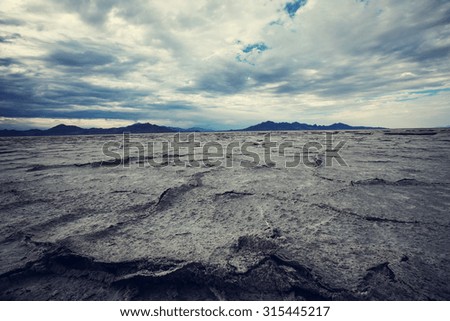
{"x":250,"y":53}
{"x":239,"y":58}
{"x":421,"y":93}
{"x":258,"y":47}
{"x":292,"y":7}
{"x":430,"y":92}
{"x":406,"y":99}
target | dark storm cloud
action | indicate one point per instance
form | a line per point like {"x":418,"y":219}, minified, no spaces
{"x":415,"y":32}
{"x":92,"y":11}
{"x":75,"y":54}
{"x":9,"y":38}
{"x":15,"y":89}
{"x":91,"y":59}
{"x":173,"y":106}
{"x":436,"y":53}
{"x":79,"y":59}
{"x":11,"y":22}
{"x":7,"y":61}
{"x":229,"y":79}
{"x":22,"y":96}
{"x":134,"y":12}
{"x":275,"y":74}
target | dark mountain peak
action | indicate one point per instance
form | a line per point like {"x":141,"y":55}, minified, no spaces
{"x":148,"y":128}
{"x":64,"y":127}
{"x":139,"y":125}
{"x":340,"y":126}
{"x":270,"y":126}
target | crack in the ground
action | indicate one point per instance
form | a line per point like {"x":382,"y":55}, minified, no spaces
{"x":168,"y":196}
{"x":165,"y":200}
{"x":232,"y":194}
{"x":370,"y":218}
{"x":143,"y":279}
{"x":401,"y":182}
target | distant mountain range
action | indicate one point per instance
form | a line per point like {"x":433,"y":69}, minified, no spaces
{"x":142,"y":128}
{"x":62,"y":130}
{"x":272,"y":126}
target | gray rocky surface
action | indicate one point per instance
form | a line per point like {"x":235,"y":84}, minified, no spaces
{"x":74,"y":228}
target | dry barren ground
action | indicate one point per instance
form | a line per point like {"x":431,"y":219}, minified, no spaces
{"x":74,"y":228}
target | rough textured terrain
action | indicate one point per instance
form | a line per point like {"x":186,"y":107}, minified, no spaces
{"x":75,"y":228}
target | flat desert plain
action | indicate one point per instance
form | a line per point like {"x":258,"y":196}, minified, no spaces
{"x":79,"y":225}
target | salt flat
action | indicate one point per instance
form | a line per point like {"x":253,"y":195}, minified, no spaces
{"x":77,"y":225}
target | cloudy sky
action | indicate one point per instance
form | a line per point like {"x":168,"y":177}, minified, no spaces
{"x":224,"y":64}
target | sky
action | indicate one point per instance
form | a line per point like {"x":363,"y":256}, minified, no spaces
{"x":224,"y":64}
